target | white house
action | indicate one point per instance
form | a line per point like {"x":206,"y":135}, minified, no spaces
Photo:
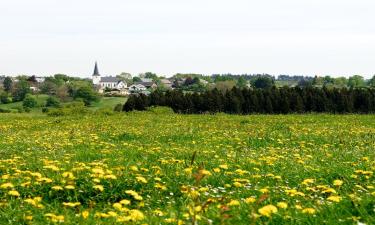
{"x":112,"y":83}
{"x":136,"y":88}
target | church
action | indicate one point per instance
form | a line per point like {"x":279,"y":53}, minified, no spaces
{"x":110,"y":83}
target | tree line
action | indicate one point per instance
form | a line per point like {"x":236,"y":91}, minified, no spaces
{"x":266,"y":101}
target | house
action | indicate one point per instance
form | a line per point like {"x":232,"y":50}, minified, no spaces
{"x":151,"y":84}
{"x":137,"y":88}
{"x":109,"y":82}
{"x":166,"y":83}
{"x":40,"y":79}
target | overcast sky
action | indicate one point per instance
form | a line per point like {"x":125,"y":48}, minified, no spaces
{"x":44,"y":37}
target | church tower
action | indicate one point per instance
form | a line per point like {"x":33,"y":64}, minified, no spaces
{"x":96,"y":75}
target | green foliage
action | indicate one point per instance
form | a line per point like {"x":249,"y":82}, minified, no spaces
{"x":29,"y":102}
{"x":70,"y":109}
{"x":118,"y":107}
{"x":21,"y":89}
{"x":87,"y":94}
{"x":5,"y":98}
{"x":8,"y":84}
{"x":53,"y":102}
{"x":263,"y":82}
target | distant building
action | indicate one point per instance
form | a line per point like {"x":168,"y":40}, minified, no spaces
{"x":109,"y":82}
{"x":137,"y":88}
{"x":166,"y":83}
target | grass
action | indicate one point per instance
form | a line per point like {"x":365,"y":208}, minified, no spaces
{"x":160,"y":168}
{"x":108,"y":102}
{"x":103,"y":103}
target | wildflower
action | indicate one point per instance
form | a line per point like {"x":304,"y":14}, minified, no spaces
{"x":14,"y":193}
{"x":309,"y":211}
{"x":98,"y":187}
{"x":6,"y":186}
{"x":69,"y":187}
{"x":224,"y":167}
{"x":125,"y":202}
{"x":267,"y":210}
{"x":282,"y":205}
{"x":57,"y":188}
{"x":135,"y":195}
{"x":338,"y":182}
{"x":85,"y":214}
{"x":141,"y":179}
{"x":205,"y":172}
{"x":250,"y":200}
{"x":71,"y":204}
{"x":334,"y":198}
{"x":233,"y":203}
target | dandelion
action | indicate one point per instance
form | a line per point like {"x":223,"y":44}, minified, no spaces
{"x":98,"y":187}
{"x":233,"y":203}
{"x":6,"y":186}
{"x":334,"y":198}
{"x":57,"y":188}
{"x":250,"y":200}
{"x":71,"y":204}
{"x":141,"y":179}
{"x":338,"y":182}
{"x":309,"y":211}
{"x":267,"y":210}
{"x":85,"y":214}
{"x":282,"y":205}
{"x":69,"y":187}
{"x":14,"y":193}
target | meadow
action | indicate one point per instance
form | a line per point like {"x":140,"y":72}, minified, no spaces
{"x":162,"y":168}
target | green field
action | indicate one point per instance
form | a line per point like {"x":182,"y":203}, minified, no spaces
{"x":164,"y":168}
{"x":103,"y":103}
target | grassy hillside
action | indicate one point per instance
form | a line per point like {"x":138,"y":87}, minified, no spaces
{"x":14,"y":106}
{"x":108,"y":102}
{"x":155,"y":168}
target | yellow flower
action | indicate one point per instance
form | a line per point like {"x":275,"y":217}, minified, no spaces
{"x":136,"y":215}
{"x":98,"y":187}
{"x":205,"y":172}
{"x":234,"y":203}
{"x":224,"y":167}
{"x":282,"y":205}
{"x":85,"y":214}
{"x":135,"y":195}
{"x":125,"y":202}
{"x":69,"y":187}
{"x":267,"y":210}
{"x":250,"y":200}
{"x":141,"y":179}
{"x":6,"y":186}
{"x":14,"y":193}
{"x":217,"y":170}
{"x":309,"y":211}
{"x":338,"y":182}
{"x":57,"y":188}
{"x":334,"y":198}
{"x":71,"y":204}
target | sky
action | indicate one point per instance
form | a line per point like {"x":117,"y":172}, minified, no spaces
{"x":296,"y":37}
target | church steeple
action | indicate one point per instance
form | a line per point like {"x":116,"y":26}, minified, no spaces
{"x":96,"y":70}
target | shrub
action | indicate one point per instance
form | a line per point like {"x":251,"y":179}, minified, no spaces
{"x":29,"y":102}
{"x":52,"y":102}
{"x":4,"y":98}
{"x":74,"y":108}
{"x":118,"y":107}
{"x":4,"y":110}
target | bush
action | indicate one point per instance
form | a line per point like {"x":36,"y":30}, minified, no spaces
{"x":74,"y":108}
{"x":4,"y":98}
{"x":118,"y":107}
{"x":160,"y":110}
{"x":87,"y":94}
{"x":4,"y":110}
{"x":52,"y":102}
{"x":29,"y":102}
